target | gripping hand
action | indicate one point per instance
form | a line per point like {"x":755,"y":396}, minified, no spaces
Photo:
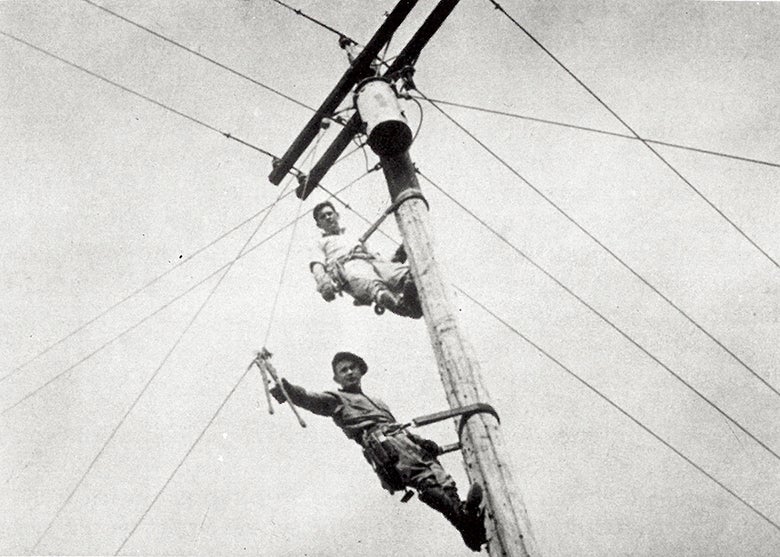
{"x":430,"y":447}
{"x":327,"y":291}
{"x":276,"y":391}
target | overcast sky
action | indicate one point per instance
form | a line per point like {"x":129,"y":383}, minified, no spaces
{"x":104,"y":191}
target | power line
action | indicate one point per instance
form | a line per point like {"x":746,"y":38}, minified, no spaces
{"x":433,"y":102}
{"x":593,"y":389}
{"x":603,"y":132}
{"x":339,"y":34}
{"x":183,"y":460}
{"x":625,"y":335}
{"x":167,"y":304}
{"x":620,"y":409}
{"x":224,"y":401}
{"x":497,"y":6}
{"x":272,"y":314}
{"x":140,"y":95}
{"x":156,"y":103}
{"x":152,"y":377}
{"x":199,"y":55}
{"x":227,"y":135}
{"x":183,"y":115}
{"x":299,"y":12}
{"x":602,"y":245}
{"x":137,"y":291}
{"x":450,"y":103}
{"x":152,"y":282}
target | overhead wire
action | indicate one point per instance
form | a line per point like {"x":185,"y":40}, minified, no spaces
{"x":230,"y":394}
{"x":422,"y":116}
{"x":161,"y":105}
{"x":275,"y":302}
{"x":268,"y":331}
{"x":620,"y":409}
{"x":199,"y":55}
{"x":450,"y":103}
{"x":603,"y":246}
{"x":227,"y":135}
{"x":152,"y":377}
{"x":271,"y":155}
{"x":199,"y":250}
{"x":593,"y":389}
{"x":137,"y":291}
{"x":138,"y":323}
{"x":492,"y":313}
{"x":718,"y":342}
{"x":316,"y":21}
{"x":440,"y":101}
{"x":602,"y":132}
{"x":601,"y":316}
{"x":214,"y":416}
{"x":723,"y":215}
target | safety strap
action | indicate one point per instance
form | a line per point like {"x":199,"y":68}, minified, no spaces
{"x":403,"y":197}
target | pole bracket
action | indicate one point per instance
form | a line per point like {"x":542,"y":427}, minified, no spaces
{"x":465,"y":412}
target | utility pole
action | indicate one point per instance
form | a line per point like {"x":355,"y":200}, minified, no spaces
{"x":509,"y":530}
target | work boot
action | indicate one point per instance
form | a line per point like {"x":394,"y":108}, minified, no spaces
{"x":400,"y":255}
{"x":472,"y":529}
{"x":466,"y":515}
{"x":410,"y":299}
{"x":386,"y":299}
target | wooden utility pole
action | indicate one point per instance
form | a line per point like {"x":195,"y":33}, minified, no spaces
{"x":509,"y":529}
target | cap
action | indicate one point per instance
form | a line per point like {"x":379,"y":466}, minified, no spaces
{"x":350,"y":356}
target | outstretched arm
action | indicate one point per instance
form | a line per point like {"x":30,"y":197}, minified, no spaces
{"x":322,"y":404}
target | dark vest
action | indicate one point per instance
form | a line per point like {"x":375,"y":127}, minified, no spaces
{"x":357,"y":413}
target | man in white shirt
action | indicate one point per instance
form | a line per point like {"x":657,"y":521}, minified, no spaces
{"x":341,"y":262}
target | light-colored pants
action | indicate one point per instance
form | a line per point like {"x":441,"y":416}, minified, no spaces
{"x":365,"y":277}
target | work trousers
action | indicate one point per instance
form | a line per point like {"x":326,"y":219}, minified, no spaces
{"x":418,"y":469}
{"x":365,"y":277}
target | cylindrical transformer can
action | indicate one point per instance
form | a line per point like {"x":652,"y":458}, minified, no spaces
{"x":377,"y":104}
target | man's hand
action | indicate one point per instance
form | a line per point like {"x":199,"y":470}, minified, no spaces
{"x":325,"y":285}
{"x":277,"y":393}
{"x":327,"y":291}
{"x":430,"y":447}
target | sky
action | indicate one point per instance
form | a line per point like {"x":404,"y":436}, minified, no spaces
{"x":136,"y":432}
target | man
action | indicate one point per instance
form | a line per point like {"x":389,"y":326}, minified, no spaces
{"x":400,"y":458}
{"x":341,"y":262}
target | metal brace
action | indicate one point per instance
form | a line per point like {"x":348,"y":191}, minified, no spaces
{"x":465,"y":411}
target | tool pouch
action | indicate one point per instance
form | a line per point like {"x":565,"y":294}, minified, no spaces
{"x":383,"y":457}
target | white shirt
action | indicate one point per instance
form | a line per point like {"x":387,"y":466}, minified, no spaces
{"x":332,"y":246}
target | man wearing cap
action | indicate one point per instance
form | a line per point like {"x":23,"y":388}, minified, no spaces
{"x":341,"y":262}
{"x":400,"y":458}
